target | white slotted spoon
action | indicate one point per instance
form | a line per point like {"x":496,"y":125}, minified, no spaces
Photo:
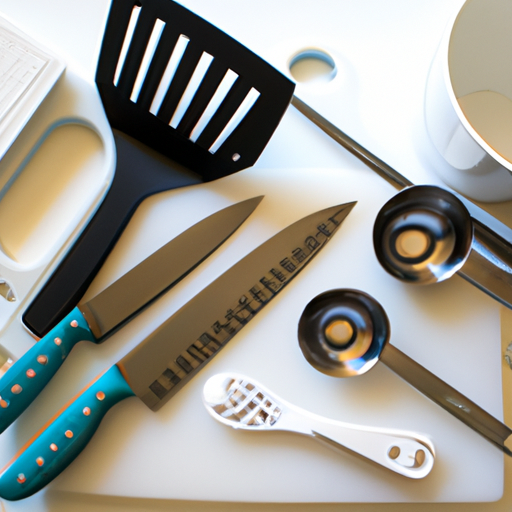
{"x":241,"y":402}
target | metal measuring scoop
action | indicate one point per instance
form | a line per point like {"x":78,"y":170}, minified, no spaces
{"x":423,"y":235}
{"x":345,"y":332}
{"x":487,"y":263}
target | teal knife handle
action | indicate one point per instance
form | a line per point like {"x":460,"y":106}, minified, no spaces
{"x":29,"y":375}
{"x":63,"y":438}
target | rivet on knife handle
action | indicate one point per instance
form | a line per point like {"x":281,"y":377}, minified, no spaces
{"x":30,"y":374}
{"x":62,"y":439}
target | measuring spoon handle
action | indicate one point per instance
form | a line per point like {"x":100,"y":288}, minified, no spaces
{"x":488,"y":266}
{"x":448,"y":398}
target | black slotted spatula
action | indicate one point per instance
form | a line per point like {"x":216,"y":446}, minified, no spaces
{"x":187,"y":104}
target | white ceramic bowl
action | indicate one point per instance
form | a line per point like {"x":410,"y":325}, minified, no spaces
{"x":468,"y":104}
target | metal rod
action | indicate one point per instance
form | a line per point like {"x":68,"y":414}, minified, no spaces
{"x":380,"y":167}
{"x":448,"y":398}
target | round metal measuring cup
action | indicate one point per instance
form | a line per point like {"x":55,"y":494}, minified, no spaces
{"x":423,"y":235}
{"x":342,"y":332}
{"x":345,"y":332}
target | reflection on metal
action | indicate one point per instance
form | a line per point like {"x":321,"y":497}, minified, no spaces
{"x":445,"y":226}
{"x":6,"y":291}
{"x":165,"y":361}
{"x":243,"y":309}
{"x":480,"y":267}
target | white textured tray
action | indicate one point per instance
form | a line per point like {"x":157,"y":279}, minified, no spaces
{"x":57,"y":162}
{"x":383,"y":52}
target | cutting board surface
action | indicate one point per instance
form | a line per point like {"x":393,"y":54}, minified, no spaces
{"x":452,"y":328}
{"x":383,"y":53}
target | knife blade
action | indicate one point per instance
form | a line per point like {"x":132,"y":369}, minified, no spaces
{"x":157,"y":368}
{"x":96,"y":319}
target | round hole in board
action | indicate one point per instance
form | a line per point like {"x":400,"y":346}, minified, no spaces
{"x":312,"y":66}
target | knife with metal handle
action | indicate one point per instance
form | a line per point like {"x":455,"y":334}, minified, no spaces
{"x":488,"y":264}
{"x":157,"y":368}
{"x":95,"y":319}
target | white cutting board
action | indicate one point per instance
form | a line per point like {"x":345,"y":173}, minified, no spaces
{"x":451,"y":328}
{"x":180,"y":452}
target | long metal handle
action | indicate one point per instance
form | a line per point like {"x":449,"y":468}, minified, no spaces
{"x":448,"y":398}
{"x":489,"y":265}
{"x":372,"y":161}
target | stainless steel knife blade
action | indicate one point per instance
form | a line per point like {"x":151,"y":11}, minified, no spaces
{"x":131,"y":292}
{"x":162,"y":364}
{"x":95,"y":319}
{"x":170,"y":356}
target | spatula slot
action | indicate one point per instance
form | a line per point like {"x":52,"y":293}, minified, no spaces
{"x":236,"y":119}
{"x":169,"y":72}
{"x":191,"y":89}
{"x":126,"y":42}
{"x":181,"y":84}
{"x":206,"y":112}
{"x":222,"y":116}
{"x":148,"y":57}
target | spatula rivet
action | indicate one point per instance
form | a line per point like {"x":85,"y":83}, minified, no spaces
{"x":235,"y":157}
{"x":30,"y":373}
{"x":53,"y":447}
{"x":68,"y":434}
{"x":100,"y":395}
{"x":4,"y":403}
{"x":39,"y":461}
{"x":57,"y":341}
{"x":86,"y":411}
{"x":21,"y":478}
{"x":74,"y":323}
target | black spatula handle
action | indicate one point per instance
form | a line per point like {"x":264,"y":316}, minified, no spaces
{"x":139,"y":172}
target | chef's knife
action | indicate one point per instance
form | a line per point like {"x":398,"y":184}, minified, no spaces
{"x":164,"y":362}
{"x":95,"y":319}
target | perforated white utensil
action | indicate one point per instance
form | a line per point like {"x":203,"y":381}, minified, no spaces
{"x":241,"y":402}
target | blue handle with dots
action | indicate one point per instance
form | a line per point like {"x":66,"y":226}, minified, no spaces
{"x":62,"y":439}
{"x":29,"y":375}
